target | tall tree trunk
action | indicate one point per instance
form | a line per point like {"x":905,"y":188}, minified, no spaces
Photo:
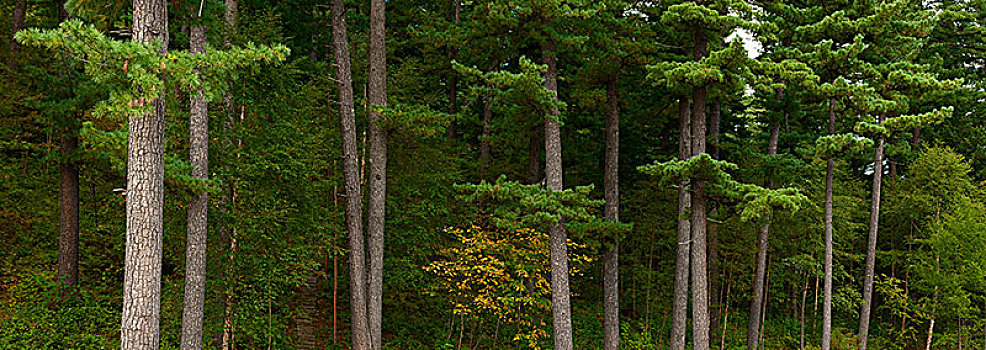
{"x":351,"y":178}
{"x":756,"y":303}
{"x":700,"y":291}
{"x":68,"y":228}
{"x":611,"y":190}
{"x":453,"y":94}
{"x":20,"y":7}
{"x":198,"y":212}
{"x":377,"y":202}
{"x":227,"y":200}
{"x":560,"y":299}
{"x":864,"y":312}
{"x":145,"y":199}
{"x":827,"y":299}
{"x":679,"y":312}
{"x":484,"y":139}
{"x":715,"y":290}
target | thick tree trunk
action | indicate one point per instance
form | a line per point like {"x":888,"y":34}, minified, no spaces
{"x":20,"y":7}
{"x":560,"y":298}
{"x":198,"y":218}
{"x":351,"y":178}
{"x":377,"y":202}
{"x":827,"y":299}
{"x":866,"y":307}
{"x":611,"y":190}
{"x":700,"y":287}
{"x":484,"y":139}
{"x":679,"y":311}
{"x":756,"y":303}
{"x":68,"y":230}
{"x":145,"y":199}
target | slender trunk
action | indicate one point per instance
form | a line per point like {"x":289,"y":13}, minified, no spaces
{"x":960,"y":333}
{"x":229,"y":28}
{"x":725,"y":318}
{"x":715,"y":290}
{"x":804,"y":299}
{"x":484,"y":140}
{"x":560,"y":298}
{"x":611,"y":184}
{"x":753,"y":329}
{"x":931,"y":333}
{"x":351,"y":178}
{"x":700,"y":300}
{"x":453,"y":94}
{"x":20,"y":7}
{"x":377,"y":203}
{"x":534,"y":156}
{"x":198,"y":209}
{"x":864,"y":313}
{"x":827,"y":299}
{"x":679,"y":312}
{"x":68,"y":230}
{"x":145,"y":199}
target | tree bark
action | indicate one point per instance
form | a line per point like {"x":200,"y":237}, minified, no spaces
{"x":453,"y":94}
{"x":700,"y":292}
{"x":827,"y":299}
{"x":679,"y":312}
{"x":145,"y":199}
{"x":351,"y":178}
{"x":560,"y":298}
{"x":198,"y":209}
{"x":20,"y":7}
{"x":864,"y":312}
{"x":611,"y":190}
{"x":756,"y":303}
{"x":715,"y":289}
{"x":377,"y":203}
{"x":68,"y":230}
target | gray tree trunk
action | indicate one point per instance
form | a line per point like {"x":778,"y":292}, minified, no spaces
{"x":679,"y":312}
{"x":715,"y":289}
{"x":68,"y":229}
{"x":145,"y":199}
{"x":756,"y":303}
{"x":864,"y":312}
{"x":484,"y":140}
{"x":377,"y":203}
{"x":827,"y":299}
{"x":700,"y":287}
{"x":611,"y":190}
{"x":20,"y":7}
{"x":351,"y":179}
{"x":198,"y":213}
{"x":561,"y":308}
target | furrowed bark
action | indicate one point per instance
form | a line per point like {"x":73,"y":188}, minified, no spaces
{"x":351,"y":178}
{"x":679,"y":312}
{"x":377,"y":202}
{"x":560,"y":298}
{"x":827,"y":299}
{"x":145,"y":198}
{"x":611,"y":190}
{"x":700,"y":291}
{"x":198,"y":212}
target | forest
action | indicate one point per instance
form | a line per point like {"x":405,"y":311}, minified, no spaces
{"x":495,"y":174}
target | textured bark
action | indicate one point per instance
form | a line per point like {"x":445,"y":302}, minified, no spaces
{"x":611,"y":190}
{"x":198,"y":213}
{"x":715,"y":289}
{"x":351,"y":178}
{"x":377,"y":202}
{"x":679,"y":312}
{"x":68,"y":230}
{"x":700,"y":287}
{"x":229,"y":193}
{"x":145,"y":199}
{"x":20,"y":7}
{"x":827,"y":298}
{"x":866,"y":307}
{"x":560,"y":298}
{"x":484,"y":140}
{"x":756,"y":303}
